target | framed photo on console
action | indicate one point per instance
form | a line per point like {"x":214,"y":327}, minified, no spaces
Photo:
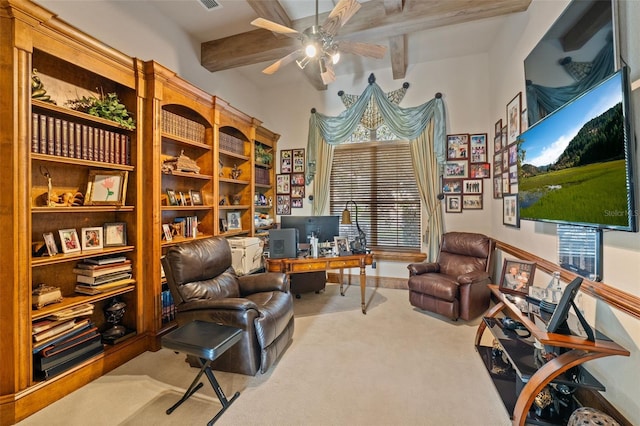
{"x":517,"y":277}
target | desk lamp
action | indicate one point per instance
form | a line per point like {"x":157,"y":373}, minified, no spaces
{"x":360,"y":243}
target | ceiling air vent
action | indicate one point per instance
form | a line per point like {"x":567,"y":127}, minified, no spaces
{"x":209,"y":4}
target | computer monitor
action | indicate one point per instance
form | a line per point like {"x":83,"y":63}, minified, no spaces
{"x":323,"y":227}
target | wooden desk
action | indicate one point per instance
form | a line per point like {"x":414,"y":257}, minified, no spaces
{"x":311,"y":264}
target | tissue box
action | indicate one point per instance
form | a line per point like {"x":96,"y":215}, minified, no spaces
{"x":246,"y":254}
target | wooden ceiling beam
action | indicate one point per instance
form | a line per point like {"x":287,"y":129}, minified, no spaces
{"x":398,"y":56}
{"x":370,"y":23}
{"x":590,"y":23}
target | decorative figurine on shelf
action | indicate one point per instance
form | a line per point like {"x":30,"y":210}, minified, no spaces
{"x":51,"y":199}
{"x":38,"y":92}
{"x":235,"y":199}
{"x":235,"y":172}
{"x":114,"y":312}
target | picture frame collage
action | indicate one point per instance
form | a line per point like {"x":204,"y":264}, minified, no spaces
{"x":290,"y":182}
{"x":505,"y":159}
{"x":110,"y":234}
{"x":466,"y":168}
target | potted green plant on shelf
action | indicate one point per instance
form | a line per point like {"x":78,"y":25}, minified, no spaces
{"x":108,"y":107}
{"x":263,"y":156}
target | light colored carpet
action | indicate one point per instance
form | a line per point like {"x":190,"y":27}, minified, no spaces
{"x":394,"y":366}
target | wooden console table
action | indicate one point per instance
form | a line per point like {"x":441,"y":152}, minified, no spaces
{"x":312,"y":264}
{"x":520,"y":352}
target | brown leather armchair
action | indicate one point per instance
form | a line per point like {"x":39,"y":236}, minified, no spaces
{"x":456,"y":285}
{"x":204,"y":286}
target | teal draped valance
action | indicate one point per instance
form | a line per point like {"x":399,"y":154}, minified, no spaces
{"x":406,"y":123}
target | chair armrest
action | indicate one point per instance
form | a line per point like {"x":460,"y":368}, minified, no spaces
{"x":265,"y":281}
{"x":228,"y":304}
{"x":474,"y":277}
{"x":422,"y":268}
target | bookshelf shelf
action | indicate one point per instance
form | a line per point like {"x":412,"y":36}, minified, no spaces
{"x":70,"y":257}
{"x":169,"y":138}
{"x":178,"y":173}
{"x":80,"y":162}
{"x":78,"y":299}
{"x":76,"y":115}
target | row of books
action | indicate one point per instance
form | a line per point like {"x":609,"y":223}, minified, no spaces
{"x":57,"y":136}
{"x":231,"y":143}
{"x":182,"y":127}
{"x":97,"y":275}
{"x":186,"y":226}
{"x":64,"y":340}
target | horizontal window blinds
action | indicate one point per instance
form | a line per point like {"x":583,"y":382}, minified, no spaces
{"x":379,"y":178}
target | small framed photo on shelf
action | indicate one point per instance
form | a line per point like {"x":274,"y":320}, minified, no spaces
{"x":510,"y":215}
{"x":458,"y":146}
{"x":478,"y":146}
{"x":517,"y":277}
{"x":172,"y":200}
{"x":298,"y":160}
{"x":115,"y":234}
{"x":223,"y":225}
{"x":196,"y":197}
{"x":453,"y":204}
{"x":70,"y":241}
{"x":472,"y":186}
{"x":234,"y":221}
{"x":283,"y":204}
{"x":283,"y":184}
{"x":106,"y":187}
{"x":166,"y":232}
{"x":480,"y":171}
{"x":472,"y":202}
{"x":341,"y":245}
{"x":92,"y":238}
{"x":514,"y":111}
{"x":456,"y":169}
{"x":181,"y":199}
{"x":286,"y":165}
{"x":50,"y":242}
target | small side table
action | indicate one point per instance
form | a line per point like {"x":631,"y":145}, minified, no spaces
{"x":207,"y":341}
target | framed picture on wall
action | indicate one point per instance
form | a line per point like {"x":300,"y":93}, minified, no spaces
{"x":283,"y":204}
{"x":497,"y":187}
{"x":497,"y":136}
{"x":283,"y":184}
{"x":472,"y":186}
{"x":480,"y":170}
{"x":458,"y":146}
{"x":514,"y":111}
{"x":452,"y":186}
{"x":296,"y":203}
{"x":286,"y":166}
{"x":510,"y":215}
{"x":504,"y":136}
{"x":298,"y":160}
{"x":453,"y":203}
{"x":297,"y":179}
{"x":478,"y":146}
{"x":497,"y":163}
{"x":472,"y":202}
{"x":456,"y":169}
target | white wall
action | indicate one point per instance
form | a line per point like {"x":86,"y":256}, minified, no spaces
{"x":621,"y":249}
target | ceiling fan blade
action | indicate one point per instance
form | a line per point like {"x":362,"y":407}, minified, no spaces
{"x":328,"y":76}
{"x":339,"y":16}
{"x":281,"y":62}
{"x":364,"y":49}
{"x":276,"y":28}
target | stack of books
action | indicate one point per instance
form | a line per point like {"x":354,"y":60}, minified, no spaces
{"x":64,"y":340}
{"x":97,"y":275}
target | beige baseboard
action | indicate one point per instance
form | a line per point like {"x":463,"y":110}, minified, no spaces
{"x":383,"y":282}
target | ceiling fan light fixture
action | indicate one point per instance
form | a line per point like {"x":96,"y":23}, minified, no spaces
{"x":303,"y":62}
{"x":310,"y":50}
{"x":335,"y":57}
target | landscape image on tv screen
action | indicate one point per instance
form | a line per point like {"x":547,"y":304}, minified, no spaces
{"x":573,"y":164}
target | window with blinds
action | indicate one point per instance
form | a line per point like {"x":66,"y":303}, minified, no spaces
{"x":378,"y":177}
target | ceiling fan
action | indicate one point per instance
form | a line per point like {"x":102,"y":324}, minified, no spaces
{"x":319,"y":43}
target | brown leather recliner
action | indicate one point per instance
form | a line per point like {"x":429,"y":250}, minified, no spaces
{"x":456,"y":285}
{"x":205,"y":287}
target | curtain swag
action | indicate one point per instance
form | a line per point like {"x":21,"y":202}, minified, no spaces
{"x":406,"y":123}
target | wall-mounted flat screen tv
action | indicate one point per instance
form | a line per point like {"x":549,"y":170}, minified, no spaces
{"x":576,"y":53}
{"x":575,"y":166}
